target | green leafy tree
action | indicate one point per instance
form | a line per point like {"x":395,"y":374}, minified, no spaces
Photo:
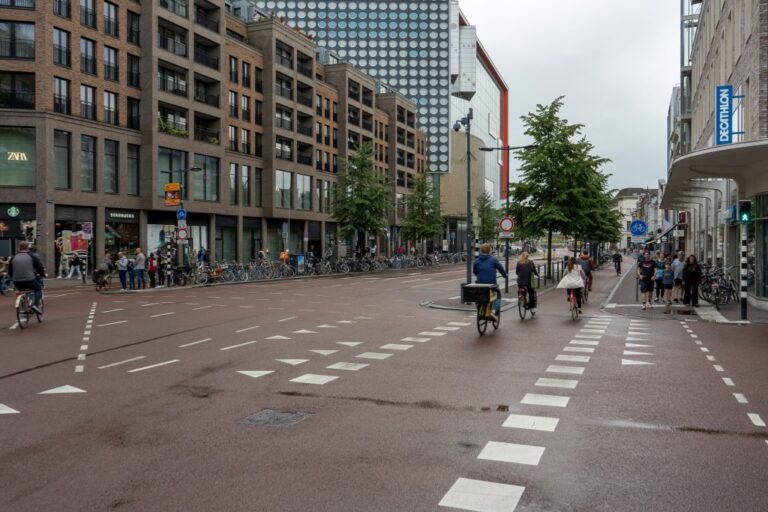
{"x":488,"y":217}
{"x":562,"y":189}
{"x":423,"y":219}
{"x":361,"y":197}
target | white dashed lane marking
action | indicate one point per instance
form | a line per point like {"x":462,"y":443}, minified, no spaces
{"x":373,"y":355}
{"x":585,"y":350}
{"x":728,"y":381}
{"x":195,"y":343}
{"x":247,"y":329}
{"x":545,"y":400}
{"x":310,"y":378}
{"x":122,"y":362}
{"x":162,"y":314}
{"x":572,"y":370}
{"x":477,"y":495}
{"x":113,"y":323}
{"x":153,"y":366}
{"x":573,"y":359}
{"x":432,"y":333}
{"x":416,"y":340}
{"x":740,"y":398}
{"x":395,"y":346}
{"x":512,"y":453}
{"x":238,"y":345}
{"x":556,"y":383}
{"x":526,"y":422}
{"x":585,"y":342}
{"x":756,"y":419}
{"x":352,"y":367}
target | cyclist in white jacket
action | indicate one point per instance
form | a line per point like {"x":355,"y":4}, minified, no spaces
{"x":573,"y":279}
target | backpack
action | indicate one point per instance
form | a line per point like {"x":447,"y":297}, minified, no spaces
{"x":585,"y":265}
{"x":130,"y":265}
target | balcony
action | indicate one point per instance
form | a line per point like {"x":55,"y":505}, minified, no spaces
{"x":175,"y":6}
{"x":305,"y":69}
{"x":88,"y":64}
{"x":202,"y":18}
{"x":304,"y":159}
{"x":203,"y":96}
{"x":111,"y":72}
{"x":17,"y":99}
{"x":305,"y":100}
{"x":111,"y":27}
{"x":62,"y":56}
{"x":206,"y":60}
{"x":173,"y":45}
{"x":208,"y":135}
{"x":61,"y":104}
{"x":171,"y":127}
{"x":173,"y":86}
{"x":17,"y":47}
{"x":19,"y":4}
{"x":87,"y":110}
{"x":60,"y":8}
{"x":304,"y":130}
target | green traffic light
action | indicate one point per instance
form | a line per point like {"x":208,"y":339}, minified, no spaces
{"x":745,"y":212}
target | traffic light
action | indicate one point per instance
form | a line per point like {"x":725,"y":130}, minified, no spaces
{"x":745,"y":212}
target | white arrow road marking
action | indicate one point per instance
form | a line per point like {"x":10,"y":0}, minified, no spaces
{"x":278,"y":338}
{"x":324,"y":352}
{"x":4,"y":409}
{"x":630,"y":362}
{"x":292,"y":362}
{"x":349,"y":343}
{"x":352,"y":367}
{"x":62,"y":390}
{"x":255,"y":374}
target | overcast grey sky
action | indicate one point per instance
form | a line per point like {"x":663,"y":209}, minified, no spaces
{"x":615,"y":61}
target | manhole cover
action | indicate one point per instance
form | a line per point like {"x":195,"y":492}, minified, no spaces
{"x":272,"y":418}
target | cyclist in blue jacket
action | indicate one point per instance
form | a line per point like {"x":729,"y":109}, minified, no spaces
{"x":485,"y":268}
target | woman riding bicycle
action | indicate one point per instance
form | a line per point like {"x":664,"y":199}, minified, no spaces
{"x":573,"y":281}
{"x":485,"y":268}
{"x":525,"y":270}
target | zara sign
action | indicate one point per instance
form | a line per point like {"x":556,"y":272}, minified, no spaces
{"x":724,"y":114}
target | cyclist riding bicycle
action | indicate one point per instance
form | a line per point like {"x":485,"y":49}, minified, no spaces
{"x":587,"y":265}
{"x":525,"y":270}
{"x":27,"y":271}
{"x":574,"y":281}
{"x":617,"y":259}
{"x":485,"y":268}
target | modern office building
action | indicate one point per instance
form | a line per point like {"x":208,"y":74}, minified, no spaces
{"x":724,"y":134}
{"x":102,"y":103}
{"x":428,"y":51}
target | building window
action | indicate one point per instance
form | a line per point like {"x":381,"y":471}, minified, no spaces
{"x":87,"y":163}
{"x":61,"y":51}
{"x":259,"y":80}
{"x":318,"y":195}
{"x":245,"y":184}
{"x":17,"y":40}
{"x":259,"y":113}
{"x":206,"y":182}
{"x":304,"y":192}
{"x":61,"y":159}
{"x":284,"y":148}
{"x":62,"y":8}
{"x":233,"y":70}
{"x":18,"y":165}
{"x":327,"y":196}
{"x":110,"y":108}
{"x":283,"y":189}
{"x":284,"y":118}
{"x":19,"y":4}
{"x":246,"y":74}
{"x":17,"y":90}
{"x":133,"y":118}
{"x":170,"y":160}
{"x":87,"y":13}
{"x":232,"y":138}
{"x":172,"y":81}
{"x":133,"y":71}
{"x":110,"y":20}
{"x":132,"y":172}
{"x":87,"y":56}
{"x":111,"y":71}
{"x":232,"y":184}
{"x":110,"y":166}
{"x":245,"y":108}
{"x":245,"y":140}
{"x":232,"y":104}
{"x":87,"y":105}
{"x":133,"y":28}
{"x":61,"y":95}
{"x":258,"y":146}
{"x":284,"y":87}
{"x":284,"y":55}
{"x":257,"y":187}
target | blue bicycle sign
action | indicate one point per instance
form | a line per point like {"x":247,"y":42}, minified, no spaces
{"x":638,"y":228}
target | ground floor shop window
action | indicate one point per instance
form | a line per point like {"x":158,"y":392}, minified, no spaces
{"x":160,"y":234}
{"x":18,"y":163}
{"x":120,"y":237}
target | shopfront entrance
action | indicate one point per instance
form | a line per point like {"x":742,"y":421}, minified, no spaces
{"x":14,"y":220}
{"x":161,"y":227}
{"x":74,"y":233}
{"x":121,"y":231}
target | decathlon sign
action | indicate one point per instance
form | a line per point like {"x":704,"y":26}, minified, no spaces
{"x":724,"y":114}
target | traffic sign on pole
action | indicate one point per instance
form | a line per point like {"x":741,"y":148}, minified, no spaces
{"x":506,"y":224}
{"x":181,"y":214}
{"x":638,"y":227}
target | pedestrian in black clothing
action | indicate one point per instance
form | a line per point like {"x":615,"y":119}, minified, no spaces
{"x":691,"y":279}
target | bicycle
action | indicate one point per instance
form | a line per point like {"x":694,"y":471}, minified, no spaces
{"x":617,"y":266}
{"x":102,"y":280}
{"x":574,"y":305}
{"x":24,"y":301}
{"x":585,"y":291}
{"x":523,"y":303}
{"x":483,"y":295}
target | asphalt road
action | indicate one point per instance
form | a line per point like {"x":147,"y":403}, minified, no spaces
{"x":406,"y":407}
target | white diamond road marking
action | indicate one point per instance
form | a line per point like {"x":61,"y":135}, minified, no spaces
{"x":523,"y":421}
{"x":122,"y":362}
{"x":584,"y":350}
{"x":459,"y":324}
{"x":373,"y":355}
{"x":573,"y":370}
{"x":630,"y":362}
{"x":718,"y":368}
{"x":292,"y":362}
{"x":573,"y":359}
{"x":634,"y":353}
{"x":711,"y":358}
{"x":545,"y":400}
{"x":349,"y":343}
{"x":446,"y":328}
{"x":4,"y":409}
{"x":585,"y":342}
{"x":740,"y":398}
{"x":62,"y":390}
{"x":278,"y":338}
{"x":416,"y":340}
{"x":704,"y":349}
{"x":556,"y":383}
{"x":352,"y":367}
{"x":324,"y":352}
{"x":239,"y":345}
{"x":480,"y":496}
{"x":310,"y":378}
{"x":395,"y":346}
{"x":512,"y":453}
{"x":432,"y":333}
{"x":728,"y":381}
{"x":756,"y":419}
{"x":256,"y":374}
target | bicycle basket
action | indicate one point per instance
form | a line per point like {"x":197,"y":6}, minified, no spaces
{"x":476,"y":292}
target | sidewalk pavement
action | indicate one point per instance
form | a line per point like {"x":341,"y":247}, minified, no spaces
{"x":625,"y":300}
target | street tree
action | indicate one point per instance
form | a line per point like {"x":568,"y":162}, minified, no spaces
{"x":488,"y":217}
{"x":562,"y":187}
{"x":423,"y":219}
{"x":361,"y":197}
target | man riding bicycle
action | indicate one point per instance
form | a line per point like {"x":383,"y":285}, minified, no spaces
{"x":27,"y":271}
{"x":587,"y":265}
{"x":485,"y":268}
{"x":617,"y":259}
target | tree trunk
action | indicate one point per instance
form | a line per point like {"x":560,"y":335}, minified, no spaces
{"x":549,"y":253}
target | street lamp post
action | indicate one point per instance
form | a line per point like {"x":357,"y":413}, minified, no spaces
{"x":467,"y":122}
{"x":182,"y":191}
{"x":507,"y":150}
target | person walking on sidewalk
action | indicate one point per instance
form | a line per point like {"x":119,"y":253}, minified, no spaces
{"x":691,"y":279}
{"x":646,"y":273}
{"x":139,"y":266}
{"x":74,"y":267}
{"x":122,"y":270}
{"x":151,"y":269}
{"x":677,"y":271}
{"x":660,"y":264}
{"x":63,"y":266}
{"x":668,"y":281}
{"x":525,"y":270}
{"x":574,"y":280}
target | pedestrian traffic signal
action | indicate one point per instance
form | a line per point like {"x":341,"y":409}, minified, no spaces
{"x":745,"y":212}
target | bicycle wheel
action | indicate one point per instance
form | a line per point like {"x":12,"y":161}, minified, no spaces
{"x":716,"y":297}
{"x":585,"y":294}
{"x":22,"y":312}
{"x":482,"y":320}
{"x":521,"y":302}
{"x":496,"y":322}
{"x":574,"y":308}
{"x":40,"y":315}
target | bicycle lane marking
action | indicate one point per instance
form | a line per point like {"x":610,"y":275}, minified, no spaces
{"x":85,"y":340}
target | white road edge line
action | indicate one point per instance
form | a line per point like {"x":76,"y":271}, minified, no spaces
{"x":154,"y":366}
{"x":238,"y":346}
{"x":121,"y":362}
{"x":195,"y":343}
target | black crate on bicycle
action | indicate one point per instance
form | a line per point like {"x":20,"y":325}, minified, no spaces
{"x":478,"y":293}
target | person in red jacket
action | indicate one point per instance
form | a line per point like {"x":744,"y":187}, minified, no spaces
{"x":587,"y":265}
